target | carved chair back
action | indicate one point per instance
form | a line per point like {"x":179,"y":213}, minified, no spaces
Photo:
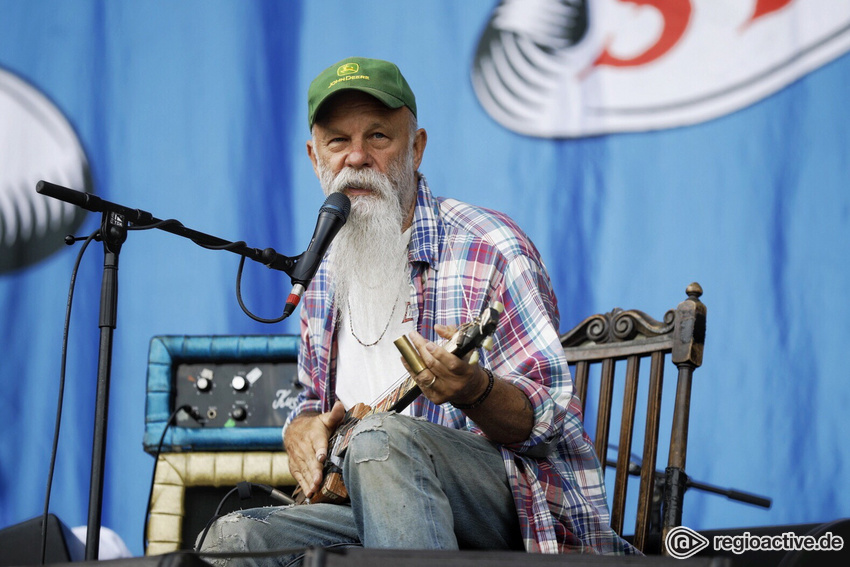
{"x":602,"y":343}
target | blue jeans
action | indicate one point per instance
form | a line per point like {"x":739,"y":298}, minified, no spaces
{"x":413,"y":485}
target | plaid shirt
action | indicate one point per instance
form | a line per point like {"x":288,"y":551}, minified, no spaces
{"x":462,"y":259}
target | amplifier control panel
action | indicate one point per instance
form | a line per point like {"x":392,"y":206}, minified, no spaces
{"x":238,"y":394}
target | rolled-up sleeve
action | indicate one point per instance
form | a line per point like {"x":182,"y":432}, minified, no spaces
{"x":528,"y":352}
{"x":308,"y":400}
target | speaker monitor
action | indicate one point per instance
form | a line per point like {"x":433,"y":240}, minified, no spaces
{"x":21,"y":544}
{"x":188,"y":488}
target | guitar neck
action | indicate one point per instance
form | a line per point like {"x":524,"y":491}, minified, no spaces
{"x":399,"y":398}
{"x":406,"y":398}
{"x":410,"y":390}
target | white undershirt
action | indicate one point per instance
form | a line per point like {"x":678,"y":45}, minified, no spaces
{"x":366,"y":373}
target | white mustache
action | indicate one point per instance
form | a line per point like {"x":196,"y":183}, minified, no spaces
{"x":362,"y":179}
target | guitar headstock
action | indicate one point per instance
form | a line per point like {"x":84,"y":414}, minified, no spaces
{"x":476,"y":333}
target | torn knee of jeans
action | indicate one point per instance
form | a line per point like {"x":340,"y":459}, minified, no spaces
{"x":251,"y":514}
{"x":370,"y":444}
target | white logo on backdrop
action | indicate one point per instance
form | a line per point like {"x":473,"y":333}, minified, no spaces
{"x":36,"y":142}
{"x":567,"y":68}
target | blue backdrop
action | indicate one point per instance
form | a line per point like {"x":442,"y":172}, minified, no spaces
{"x":196,"y":110}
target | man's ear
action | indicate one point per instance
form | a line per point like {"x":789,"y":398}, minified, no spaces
{"x":420,"y":140}
{"x":311,"y":152}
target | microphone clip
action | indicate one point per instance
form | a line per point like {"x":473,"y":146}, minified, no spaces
{"x":275,"y":261}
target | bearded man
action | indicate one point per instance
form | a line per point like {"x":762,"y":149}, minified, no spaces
{"x":493,"y":454}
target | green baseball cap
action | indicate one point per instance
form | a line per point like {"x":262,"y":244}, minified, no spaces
{"x":381,"y":79}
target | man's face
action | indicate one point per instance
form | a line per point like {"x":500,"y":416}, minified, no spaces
{"x":358,"y":133}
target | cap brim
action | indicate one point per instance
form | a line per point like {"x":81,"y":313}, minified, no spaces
{"x":387,"y":100}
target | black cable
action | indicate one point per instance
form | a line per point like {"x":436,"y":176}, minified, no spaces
{"x":169,"y":422}
{"x":242,"y":304}
{"x":229,"y":246}
{"x":244,"y":490}
{"x":216,"y":515}
{"x":58,"y":423}
{"x":62,"y":373}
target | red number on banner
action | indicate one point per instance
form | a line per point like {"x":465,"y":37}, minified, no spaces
{"x":676,"y":14}
{"x":764,"y":7}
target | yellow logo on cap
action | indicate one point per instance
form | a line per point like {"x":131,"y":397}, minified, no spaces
{"x":347,"y":69}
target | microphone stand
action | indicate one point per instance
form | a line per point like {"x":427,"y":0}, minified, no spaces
{"x":113,"y":232}
{"x":634,"y":469}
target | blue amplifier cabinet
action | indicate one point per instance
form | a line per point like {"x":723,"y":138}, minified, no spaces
{"x":242,"y":387}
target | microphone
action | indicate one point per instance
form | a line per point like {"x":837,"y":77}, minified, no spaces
{"x":332,"y":216}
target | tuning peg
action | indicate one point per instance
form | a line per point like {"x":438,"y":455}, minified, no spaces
{"x":474,"y":358}
{"x":487,"y":343}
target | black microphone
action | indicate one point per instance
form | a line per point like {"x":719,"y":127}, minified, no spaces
{"x":332,"y":216}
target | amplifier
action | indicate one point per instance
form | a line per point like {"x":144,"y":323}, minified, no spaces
{"x":241,"y":388}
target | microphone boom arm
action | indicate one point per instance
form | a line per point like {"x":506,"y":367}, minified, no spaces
{"x":143,"y":219}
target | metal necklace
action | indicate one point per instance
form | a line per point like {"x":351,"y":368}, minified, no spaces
{"x":386,"y":327}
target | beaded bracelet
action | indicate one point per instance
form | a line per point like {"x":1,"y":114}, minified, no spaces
{"x":483,"y":397}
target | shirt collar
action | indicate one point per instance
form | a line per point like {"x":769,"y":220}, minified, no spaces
{"x":424,"y":242}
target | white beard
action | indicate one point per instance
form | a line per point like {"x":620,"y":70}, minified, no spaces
{"x":368,"y":258}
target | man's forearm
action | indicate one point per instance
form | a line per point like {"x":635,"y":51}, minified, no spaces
{"x":505,"y":415}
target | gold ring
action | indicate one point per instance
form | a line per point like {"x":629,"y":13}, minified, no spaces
{"x":431,"y":383}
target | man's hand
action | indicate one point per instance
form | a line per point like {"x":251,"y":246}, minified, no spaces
{"x":506,"y":415}
{"x":447,"y":378}
{"x":307,"y":446}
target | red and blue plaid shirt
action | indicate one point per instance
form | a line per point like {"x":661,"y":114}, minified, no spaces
{"x":463,"y":258}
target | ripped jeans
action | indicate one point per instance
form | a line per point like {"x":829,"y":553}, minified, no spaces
{"x":413,"y":485}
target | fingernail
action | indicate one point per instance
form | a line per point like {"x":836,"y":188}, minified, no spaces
{"x":430,"y":346}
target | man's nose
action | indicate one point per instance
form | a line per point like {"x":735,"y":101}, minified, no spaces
{"x":358,"y":156}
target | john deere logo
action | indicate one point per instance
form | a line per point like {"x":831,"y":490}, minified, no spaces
{"x":347,"y":69}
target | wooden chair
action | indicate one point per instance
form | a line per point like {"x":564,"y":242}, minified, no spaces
{"x":600,"y":342}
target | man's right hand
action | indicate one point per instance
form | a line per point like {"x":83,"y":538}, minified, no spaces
{"x":306,"y":444}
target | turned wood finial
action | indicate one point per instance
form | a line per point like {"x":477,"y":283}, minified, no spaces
{"x":694,"y":290}
{"x":690,"y":329}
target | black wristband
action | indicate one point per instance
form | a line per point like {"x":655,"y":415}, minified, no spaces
{"x":483,"y":397}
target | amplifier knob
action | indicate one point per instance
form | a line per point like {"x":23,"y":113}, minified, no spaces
{"x":239,"y":413}
{"x":203,"y":384}
{"x":239,"y":383}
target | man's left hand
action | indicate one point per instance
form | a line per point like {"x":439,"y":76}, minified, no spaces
{"x":446,"y":377}
{"x":505,"y":416}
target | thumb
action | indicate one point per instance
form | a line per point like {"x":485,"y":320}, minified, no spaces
{"x":445,"y":331}
{"x":334,"y":417}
